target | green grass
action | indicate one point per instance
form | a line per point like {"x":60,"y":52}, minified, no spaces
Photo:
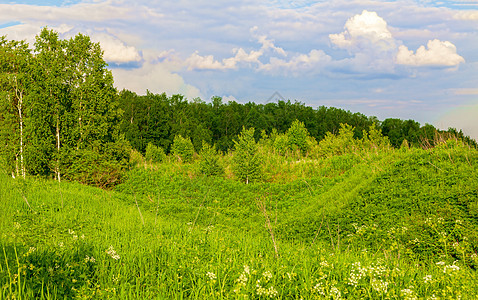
{"x":399,"y":224}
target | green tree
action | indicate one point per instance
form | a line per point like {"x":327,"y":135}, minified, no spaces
{"x":209,"y":161}
{"x":297,"y":137}
{"x":246,"y":161}
{"x":15,"y":60}
{"x":182,"y":148}
{"x":154,"y":153}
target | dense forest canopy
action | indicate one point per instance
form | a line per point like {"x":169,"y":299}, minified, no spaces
{"x":61,"y":116}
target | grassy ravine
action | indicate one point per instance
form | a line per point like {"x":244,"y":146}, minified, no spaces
{"x":398,"y":224}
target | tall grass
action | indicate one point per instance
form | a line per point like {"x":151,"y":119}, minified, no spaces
{"x":398,"y":225}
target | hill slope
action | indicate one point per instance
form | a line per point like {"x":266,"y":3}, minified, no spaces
{"x":396,"y":224}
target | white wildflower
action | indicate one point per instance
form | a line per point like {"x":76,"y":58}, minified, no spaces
{"x":427,"y":278}
{"x":270,"y":292}
{"x":89,"y":259}
{"x":409,"y":294}
{"x":379,"y":285}
{"x":211,"y":275}
{"x":451,"y":269}
{"x":267,"y":275}
{"x":318,"y":288}
{"x":111,"y":252}
{"x":335,"y":293}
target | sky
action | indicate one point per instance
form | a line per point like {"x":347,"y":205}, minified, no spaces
{"x":407,"y":59}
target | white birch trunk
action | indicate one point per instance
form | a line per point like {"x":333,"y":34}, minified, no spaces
{"x":19,"y":95}
{"x":58,"y":147}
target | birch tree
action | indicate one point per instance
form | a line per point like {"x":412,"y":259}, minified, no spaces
{"x":15,"y":58}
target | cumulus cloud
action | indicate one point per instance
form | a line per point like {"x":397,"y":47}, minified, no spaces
{"x":198,"y":62}
{"x":363,"y":32}
{"x":367,"y":38}
{"x":311,"y":62}
{"x":116,"y":51}
{"x":155,"y":77}
{"x":437,"y":53}
{"x":374,"y":48}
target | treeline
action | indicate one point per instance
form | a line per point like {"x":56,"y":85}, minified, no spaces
{"x":60,"y":116}
{"x":157,"y":119}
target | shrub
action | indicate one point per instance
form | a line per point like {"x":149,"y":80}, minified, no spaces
{"x":209,"y":161}
{"x":182,"y":148}
{"x":339,"y":144}
{"x":246,"y":160}
{"x":297,"y":136}
{"x":281,"y":144}
{"x":154,"y":153}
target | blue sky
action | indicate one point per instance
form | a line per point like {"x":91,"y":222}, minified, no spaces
{"x":405,"y":59}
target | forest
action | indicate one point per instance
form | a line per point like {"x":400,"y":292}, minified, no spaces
{"x":106,"y":194}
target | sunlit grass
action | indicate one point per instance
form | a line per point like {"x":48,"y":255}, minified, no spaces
{"x":170,"y":233}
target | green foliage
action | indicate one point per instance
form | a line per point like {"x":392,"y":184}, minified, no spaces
{"x":154,"y":153}
{"x":61,"y":103}
{"x":209,"y":161}
{"x":281,"y":143}
{"x":246,"y":160}
{"x":183,"y":149}
{"x":373,"y":139}
{"x":339,"y":144}
{"x":364,"y":225}
{"x":297,"y":137}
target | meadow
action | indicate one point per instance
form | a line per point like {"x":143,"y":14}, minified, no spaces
{"x":368,"y":223}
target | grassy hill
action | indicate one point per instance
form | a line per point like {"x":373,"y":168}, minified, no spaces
{"x":396,"y":224}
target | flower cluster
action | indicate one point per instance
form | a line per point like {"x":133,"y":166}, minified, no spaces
{"x":269,"y":292}
{"x":111,"y":252}
{"x":211,"y":275}
{"x":409,"y":294}
{"x":90,"y":259}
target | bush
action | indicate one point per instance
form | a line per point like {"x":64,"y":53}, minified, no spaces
{"x":182,"y":148}
{"x":297,"y":136}
{"x":209,"y":161}
{"x":339,"y":144}
{"x":281,"y":144}
{"x":154,"y":153}
{"x":246,"y":160}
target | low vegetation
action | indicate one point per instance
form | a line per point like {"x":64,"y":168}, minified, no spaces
{"x":346,"y":218}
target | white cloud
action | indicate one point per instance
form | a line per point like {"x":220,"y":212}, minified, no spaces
{"x":438,"y":54}
{"x":116,"y":51}
{"x":363,"y":32}
{"x":468,"y":15}
{"x":198,"y":62}
{"x":156,"y":77}
{"x":297,"y":65}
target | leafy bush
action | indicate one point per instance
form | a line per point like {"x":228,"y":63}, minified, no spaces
{"x":297,"y":136}
{"x":154,"y":153}
{"x":339,"y":144}
{"x":281,"y":143}
{"x":246,"y":160}
{"x":182,"y":148}
{"x":209,"y":161}
{"x":99,"y":165}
